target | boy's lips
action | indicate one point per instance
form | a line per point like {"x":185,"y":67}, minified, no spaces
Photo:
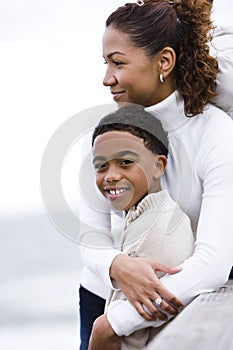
{"x":114,"y":193}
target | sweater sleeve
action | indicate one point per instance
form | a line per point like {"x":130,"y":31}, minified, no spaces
{"x":209,"y":267}
{"x":94,"y":235}
{"x":221,"y":47}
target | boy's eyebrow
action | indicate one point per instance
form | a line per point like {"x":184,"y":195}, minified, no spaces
{"x":116,"y":155}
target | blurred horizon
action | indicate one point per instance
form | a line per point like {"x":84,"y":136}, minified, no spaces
{"x":39,"y":285}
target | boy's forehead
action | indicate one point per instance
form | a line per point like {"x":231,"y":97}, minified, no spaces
{"x":111,"y":144}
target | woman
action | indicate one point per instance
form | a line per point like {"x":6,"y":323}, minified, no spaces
{"x":157,"y":56}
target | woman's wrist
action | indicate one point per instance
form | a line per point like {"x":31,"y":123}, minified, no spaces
{"x":117,"y":265}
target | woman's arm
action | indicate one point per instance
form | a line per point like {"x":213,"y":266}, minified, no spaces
{"x":138,"y":281}
{"x":94,"y":233}
{"x":95,"y":241}
{"x":221,"y":47}
{"x":210,"y":265}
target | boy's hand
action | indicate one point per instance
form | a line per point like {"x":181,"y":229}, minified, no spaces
{"x":103,"y":336}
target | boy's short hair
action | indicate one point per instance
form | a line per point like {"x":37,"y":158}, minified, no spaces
{"x":137,"y":121}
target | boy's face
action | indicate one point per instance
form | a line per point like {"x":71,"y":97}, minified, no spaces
{"x":126,"y":171}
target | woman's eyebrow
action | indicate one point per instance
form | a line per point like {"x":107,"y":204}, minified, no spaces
{"x":114,"y":53}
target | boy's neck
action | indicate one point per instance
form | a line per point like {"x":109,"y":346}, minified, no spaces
{"x":153,"y":190}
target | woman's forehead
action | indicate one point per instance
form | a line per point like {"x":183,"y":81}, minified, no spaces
{"x":115,"y":41}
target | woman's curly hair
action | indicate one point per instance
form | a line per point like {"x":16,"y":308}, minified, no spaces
{"x":183,"y":25}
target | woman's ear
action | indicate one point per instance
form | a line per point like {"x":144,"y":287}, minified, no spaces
{"x":167,"y":61}
{"x":160,"y":166}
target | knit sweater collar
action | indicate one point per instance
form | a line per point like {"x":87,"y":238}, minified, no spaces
{"x":170,"y":112}
{"x":159,"y":201}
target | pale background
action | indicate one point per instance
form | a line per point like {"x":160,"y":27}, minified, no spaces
{"x":51,"y":68}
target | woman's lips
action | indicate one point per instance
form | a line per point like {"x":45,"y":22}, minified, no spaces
{"x":117,"y":95}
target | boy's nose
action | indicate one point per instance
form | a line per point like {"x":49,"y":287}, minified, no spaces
{"x":112,"y":175}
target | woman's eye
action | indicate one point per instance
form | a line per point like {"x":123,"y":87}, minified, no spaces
{"x":117,"y":63}
{"x":114,"y":62}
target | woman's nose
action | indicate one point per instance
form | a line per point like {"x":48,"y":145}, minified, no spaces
{"x":109,"y":78}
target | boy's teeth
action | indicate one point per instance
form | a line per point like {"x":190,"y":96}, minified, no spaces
{"x":114,"y":192}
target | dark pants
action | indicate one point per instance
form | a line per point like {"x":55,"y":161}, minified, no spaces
{"x":91,"y":306}
{"x":231,"y":274}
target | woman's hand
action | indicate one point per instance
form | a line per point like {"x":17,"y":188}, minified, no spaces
{"x":103,"y":336}
{"x":138,"y":281}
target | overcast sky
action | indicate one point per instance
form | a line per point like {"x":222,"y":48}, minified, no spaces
{"x":51,"y":68}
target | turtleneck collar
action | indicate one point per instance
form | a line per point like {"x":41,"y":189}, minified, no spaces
{"x":158,"y":201}
{"x":170,"y":112}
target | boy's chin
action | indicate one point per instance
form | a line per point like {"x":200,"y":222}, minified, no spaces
{"x":119,"y":207}
{"x":116,"y":205}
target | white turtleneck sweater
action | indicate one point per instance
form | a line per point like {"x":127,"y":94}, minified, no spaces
{"x":199,"y":177}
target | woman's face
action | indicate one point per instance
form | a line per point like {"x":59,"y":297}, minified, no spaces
{"x":131,"y":75}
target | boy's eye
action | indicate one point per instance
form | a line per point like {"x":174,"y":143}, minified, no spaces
{"x":127,"y":162}
{"x":99,"y":167}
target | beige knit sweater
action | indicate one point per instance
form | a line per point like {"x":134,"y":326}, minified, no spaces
{"x":157,"y":228}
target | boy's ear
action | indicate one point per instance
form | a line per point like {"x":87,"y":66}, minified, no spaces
{"x":160,"y":166}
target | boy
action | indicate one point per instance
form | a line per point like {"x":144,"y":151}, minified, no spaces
{"x":130,"y":156}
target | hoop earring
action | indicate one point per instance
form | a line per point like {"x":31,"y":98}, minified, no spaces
{"x":140,"y":2}
{"x":161,"y":78}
